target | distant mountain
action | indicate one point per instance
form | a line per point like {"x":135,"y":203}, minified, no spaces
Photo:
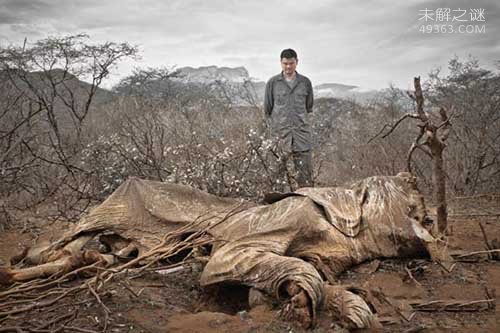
{"x":338,"y":90}
{"x":210,"y":74}
{"x":238,"y":79}
{"x":233,"y":83}
{"x":56,"y":84}
{"x":62,"y":96}
{"x":335,"y":87}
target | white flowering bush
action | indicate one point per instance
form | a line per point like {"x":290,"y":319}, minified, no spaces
{"x":237,"y":161}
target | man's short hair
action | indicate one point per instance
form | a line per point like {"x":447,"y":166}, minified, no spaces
{"x":288,"y":53}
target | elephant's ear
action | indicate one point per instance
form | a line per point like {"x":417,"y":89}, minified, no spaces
{"x":342,"y":207}
{"x":272,"y":197}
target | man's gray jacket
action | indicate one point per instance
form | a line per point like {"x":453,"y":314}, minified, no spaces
{"x":288,"y":107}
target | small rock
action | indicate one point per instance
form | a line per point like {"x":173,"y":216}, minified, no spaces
{"x":244,"y":315}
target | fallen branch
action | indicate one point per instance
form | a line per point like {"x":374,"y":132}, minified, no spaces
{"x":106,"y":310}
{"x":171,"y":270}
{"x":411,"y":276}
{"x":39,"y":305}
{"x":126,"y":285}
{"x":469,"y":197}
{"x":476,"y":215}
{"x":477,"y":252}
{"x":12,"y":329}
{"x":486,"y":242}
{"x":455,"y":306}
{"x":78,"y":329}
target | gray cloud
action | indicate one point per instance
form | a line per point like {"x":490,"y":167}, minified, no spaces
{"x":367,"y":43}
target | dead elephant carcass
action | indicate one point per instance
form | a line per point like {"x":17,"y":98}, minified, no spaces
{"x":290,"y":249}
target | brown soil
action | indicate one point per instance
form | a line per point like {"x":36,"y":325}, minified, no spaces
{"x":176,"y":303}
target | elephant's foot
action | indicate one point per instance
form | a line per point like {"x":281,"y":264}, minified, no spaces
{"x":348,"y":309}
{"x":298,"y":308}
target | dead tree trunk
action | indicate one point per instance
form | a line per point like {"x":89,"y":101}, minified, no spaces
{"x":430,"y":140}
{"x":436,"y":135}
{"x":439,"y":180}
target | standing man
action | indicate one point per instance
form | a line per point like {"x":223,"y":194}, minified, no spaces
{"x":288,"y":99}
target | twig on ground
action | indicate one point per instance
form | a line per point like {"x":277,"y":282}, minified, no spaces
{"x":411,"y":276}
{"x":71,"y":315}
{"x":485,"y":238}
{"x":78,"y":329}
{"x":41,"y":304}
{"x":106,"y":310}
{"x":477,"y":252}
{"x":12,"y":329}
{"x":129,"y":288}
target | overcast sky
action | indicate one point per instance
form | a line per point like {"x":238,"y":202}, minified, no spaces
{"x":364,"y":43}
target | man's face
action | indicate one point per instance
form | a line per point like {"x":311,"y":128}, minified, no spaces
{"x":288,"y":65}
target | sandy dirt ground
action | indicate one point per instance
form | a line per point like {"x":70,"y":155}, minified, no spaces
{"x":175,"y":302}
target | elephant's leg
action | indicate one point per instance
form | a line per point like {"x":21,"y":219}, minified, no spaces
{"x":289,"y":279}
{"x":42,"y":252}
{"x":73,"y":248}
{"x":60,"y":266}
